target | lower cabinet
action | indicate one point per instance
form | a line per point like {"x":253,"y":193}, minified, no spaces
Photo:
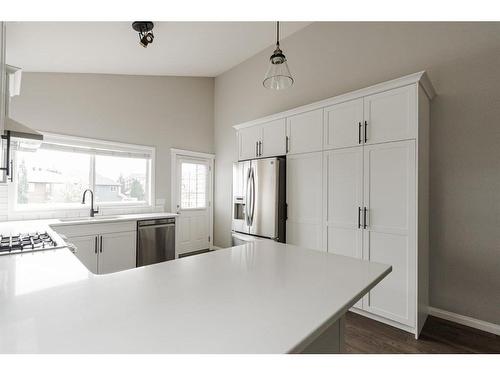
{"x":106,"y":253}
{"x":103,"y":248}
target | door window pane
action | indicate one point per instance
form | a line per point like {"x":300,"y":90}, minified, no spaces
{"x":193,"y":185}
{"x":121,"y":179}
{"x":49,"y":177}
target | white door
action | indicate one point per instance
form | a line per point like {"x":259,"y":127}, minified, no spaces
{"x":248,"y":139}
{"x":117,"y":252}
{"x":343,"y":124}
{"x":193,"y":200}
{"x":305,"y":132}
{"x":273,"y":138}
{"x":86,"y":250}
{"x":304,"y":191}
{"x":389,"y":196}
{"x":391,"y":115}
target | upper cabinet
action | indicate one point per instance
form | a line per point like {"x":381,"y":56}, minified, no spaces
{"x":390,"y":115}
{"x":273,"y":139}
{"x":344,"y":124}
{"x":263,"y":140}
{"x":248,"y":141}
{"x":304,"y":132}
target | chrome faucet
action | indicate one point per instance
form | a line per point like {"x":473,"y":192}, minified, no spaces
{"x":92,"y":211}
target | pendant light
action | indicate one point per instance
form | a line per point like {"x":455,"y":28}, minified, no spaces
{"x":278,"y":75}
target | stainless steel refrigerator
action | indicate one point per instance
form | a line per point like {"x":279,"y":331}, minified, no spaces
{"x":259,"y":198}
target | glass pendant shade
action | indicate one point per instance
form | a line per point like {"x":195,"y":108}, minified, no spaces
{"x":278,"y":75}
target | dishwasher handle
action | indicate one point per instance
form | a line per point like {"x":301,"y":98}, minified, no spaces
{"x":156,"y":222}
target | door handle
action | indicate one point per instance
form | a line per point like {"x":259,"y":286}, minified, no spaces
{"x":178,"y":211}
{"x":100,"y":240}
{"x":359,"y":217}
{"x":366,"y":126}
{"x":359,"y":132}
{"x":287,"y":144}
{"x":260,"y":148}
{"x":95,"y":245}
{"x":253,"y":196}
{"x":364,"y":217}
{"x":247,"y":195}
{"x":256,"y":148}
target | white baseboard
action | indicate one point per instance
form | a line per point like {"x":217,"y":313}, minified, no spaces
{"x":215,"y":248}
{"x":465,"y":320}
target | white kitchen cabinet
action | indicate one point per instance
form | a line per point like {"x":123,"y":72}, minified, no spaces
{"x":344,"y":173}
{"x":273,"y":139}
{"x":304,"y":132}
{"x":343,"y":124}
{"x":391,"y":115}
{"x":117,"y":252}
{"x":389,"y":237}
{"x":103,"y":247}
{"x":375,"y":157}
{"x":263,"y":140}
{"x":86,"y":250}
{"x":304,"y":174}
{"x":248,"y":139}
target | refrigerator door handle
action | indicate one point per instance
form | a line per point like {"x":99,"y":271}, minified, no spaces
{"x":247,"y":195}
{"x":252,"y":176}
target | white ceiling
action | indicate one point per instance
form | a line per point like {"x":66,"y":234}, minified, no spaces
{"x":204,"y":49}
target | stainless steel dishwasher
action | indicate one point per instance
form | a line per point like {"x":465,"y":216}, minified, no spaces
{"x":155,"y":241}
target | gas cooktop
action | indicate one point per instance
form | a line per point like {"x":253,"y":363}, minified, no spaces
{"x":25,"y":242}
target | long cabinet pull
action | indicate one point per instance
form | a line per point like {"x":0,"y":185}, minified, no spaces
{"x":95,"y":245}
{"x":359,"y":132}
{"x":256,"y":148}
{"x":260,"y":148}
{"x":364,"y":218}
{"x":366,"y":126}
{"x":287,"y":144}
{"x":100,"y":247}
{"x":359,"y":217}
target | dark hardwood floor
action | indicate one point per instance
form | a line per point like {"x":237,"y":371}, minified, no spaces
{"x":438,"y":336}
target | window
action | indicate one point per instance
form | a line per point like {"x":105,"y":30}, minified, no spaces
{"x":193,"y":185}
{"x":55,"y":175}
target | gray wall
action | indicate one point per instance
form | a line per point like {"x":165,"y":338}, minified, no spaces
{"x":164,"y":112}
{"x":463,"y":62}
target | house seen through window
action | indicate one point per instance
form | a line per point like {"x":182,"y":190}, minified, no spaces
{"x":56,"y":174}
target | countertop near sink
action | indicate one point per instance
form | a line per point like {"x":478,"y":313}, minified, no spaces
{"x":112,"y":219}
{"x":50,"y":225}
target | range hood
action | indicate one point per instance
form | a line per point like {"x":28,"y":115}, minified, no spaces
{"x":13,"y":129}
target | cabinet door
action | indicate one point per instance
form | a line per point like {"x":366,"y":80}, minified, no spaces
{"x":248,"y":139}
{"x":390,"y":197}
{"x":345,"y":201}
{"x":86,"y":251}
{"x":342,"y":124}
{"x":273,"y":138}
{"x":117,"y":252}
{"x":391,"y":115}
{"x":305,"y":132}
{"x":304,"y":192}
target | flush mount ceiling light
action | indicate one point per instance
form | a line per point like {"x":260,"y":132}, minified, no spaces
{"x":278,"y":75}
{"x":145,"y":30}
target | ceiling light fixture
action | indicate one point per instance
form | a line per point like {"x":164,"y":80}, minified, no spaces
{"x":278,"y":75}
{"x":145,"y":30}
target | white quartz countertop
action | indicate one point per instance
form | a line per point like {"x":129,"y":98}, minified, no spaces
{"x":262,"y":297}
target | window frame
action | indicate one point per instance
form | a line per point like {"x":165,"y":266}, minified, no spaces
{"x":73,"y":141}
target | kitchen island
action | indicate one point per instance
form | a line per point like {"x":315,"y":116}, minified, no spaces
{"x":262,"y":297}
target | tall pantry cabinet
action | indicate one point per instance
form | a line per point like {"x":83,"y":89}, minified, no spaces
{"x":357,"y":185}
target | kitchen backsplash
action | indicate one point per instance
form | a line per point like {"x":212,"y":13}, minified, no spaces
{"x":84,"y":211}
